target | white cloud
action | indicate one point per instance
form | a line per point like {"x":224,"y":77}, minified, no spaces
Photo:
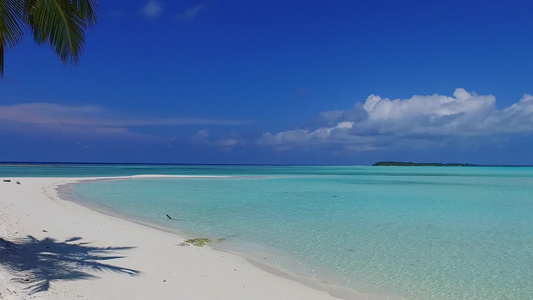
{"x":418,"y":121}
{"x":224,"y":143}
{"x":152,"y":9}
{"x":192,"y":12}
{"x":200,"y":137}
{"x":90,"y":119}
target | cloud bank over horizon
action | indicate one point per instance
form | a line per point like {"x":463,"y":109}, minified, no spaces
{"x":464,"y":122}
{"x":89,"y":119}
{"x":416,"y":122}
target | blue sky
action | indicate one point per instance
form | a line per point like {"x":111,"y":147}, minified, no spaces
{"x":283,"y":82}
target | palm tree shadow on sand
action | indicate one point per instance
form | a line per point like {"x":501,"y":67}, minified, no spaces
{"x":36,"y":263}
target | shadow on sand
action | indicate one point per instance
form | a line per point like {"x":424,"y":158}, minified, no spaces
{"x":36,"y":263}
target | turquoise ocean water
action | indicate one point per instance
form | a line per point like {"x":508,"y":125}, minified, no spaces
{"x":415,"y":232}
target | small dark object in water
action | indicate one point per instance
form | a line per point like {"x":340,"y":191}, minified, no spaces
{"x":335,"y":196}
{"x":7,"y":180}
{"x":169,"y":217}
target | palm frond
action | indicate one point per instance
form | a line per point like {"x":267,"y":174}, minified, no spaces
{"x":11,"y":33}
{"x":62,"y":24}
{"x":87,"y":10}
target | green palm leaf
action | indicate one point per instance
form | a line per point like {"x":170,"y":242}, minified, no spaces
{"x":11,"y":32}
{"x":59,"y":23}
{"x":87,"y":10}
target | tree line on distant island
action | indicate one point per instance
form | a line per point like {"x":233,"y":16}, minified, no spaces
{"x":413,"y":164}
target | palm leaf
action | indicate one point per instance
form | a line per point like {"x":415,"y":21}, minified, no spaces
{"x":86,"y":10}
{"x":11,"y":33}
{"x":62,"y":24}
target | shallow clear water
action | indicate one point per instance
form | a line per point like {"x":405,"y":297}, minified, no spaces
{"x":422,"y":233}
{"x":417,"y":232}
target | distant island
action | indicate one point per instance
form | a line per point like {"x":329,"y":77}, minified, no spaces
{"x":413,"y":164}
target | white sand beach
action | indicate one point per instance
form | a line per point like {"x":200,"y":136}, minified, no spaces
{"x":55,"y":249}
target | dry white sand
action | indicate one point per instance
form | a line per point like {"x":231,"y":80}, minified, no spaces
{"x":56,"y":249}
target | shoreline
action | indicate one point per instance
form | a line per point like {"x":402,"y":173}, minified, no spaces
{"x":126,"y":259}
{"x":331,"y":288}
